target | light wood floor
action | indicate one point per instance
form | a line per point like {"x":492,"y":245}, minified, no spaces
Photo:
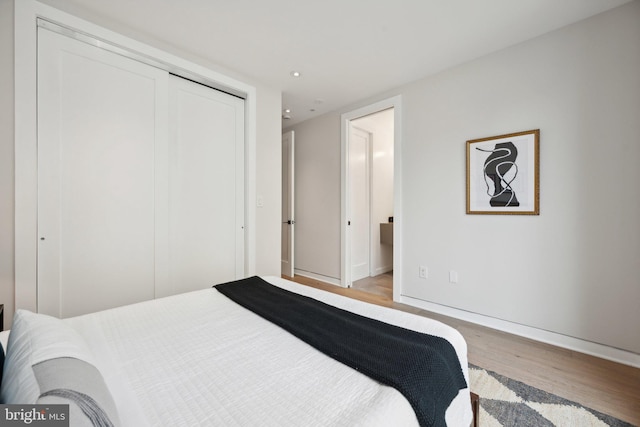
{"x":381,"y":285}
{"x":605,"y":386}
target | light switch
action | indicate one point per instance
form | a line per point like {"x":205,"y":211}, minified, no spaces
{"x":453,"y":276}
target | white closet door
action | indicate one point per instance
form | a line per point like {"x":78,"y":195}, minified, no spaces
{"x":101,"y":121}
{"x":206,"y":186}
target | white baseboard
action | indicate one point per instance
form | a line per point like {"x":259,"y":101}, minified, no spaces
{"x":594,"y":349}
{"x":327,"y":279}
{"x":381,"y":270}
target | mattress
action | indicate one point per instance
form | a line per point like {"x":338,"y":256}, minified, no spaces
{"x":201,"y":359}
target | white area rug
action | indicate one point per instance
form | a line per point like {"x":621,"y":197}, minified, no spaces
{"x":505,"y":403}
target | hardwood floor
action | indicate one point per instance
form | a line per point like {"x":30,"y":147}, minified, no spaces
{"x":605,"y":386}
{"x":380,"y":285}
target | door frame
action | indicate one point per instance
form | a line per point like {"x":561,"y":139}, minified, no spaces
{"x":26,"y":15}
{"x":394,"y":102}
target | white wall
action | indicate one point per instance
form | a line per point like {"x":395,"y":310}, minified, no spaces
{"x":573,"y":269}
{"x":269,"y":178}
{"x":380,"y":126}
{"x":6,"y":159}
{"x":267,"y":156}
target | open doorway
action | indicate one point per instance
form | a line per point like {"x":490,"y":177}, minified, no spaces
{"x":369,"y":198}
{"x":371,"y":202}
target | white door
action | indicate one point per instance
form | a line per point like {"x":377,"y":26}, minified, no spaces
{"x":206,"y":186}
{"x":101,"y":118}
{"x":359,"y":206}
{"x":288,"y":222}
{"x":140,"y":181}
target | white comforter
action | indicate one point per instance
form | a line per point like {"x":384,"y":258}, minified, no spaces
{"x":201,"y":359}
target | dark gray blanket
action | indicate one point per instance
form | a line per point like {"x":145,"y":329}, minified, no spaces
{"x":424,"y":368}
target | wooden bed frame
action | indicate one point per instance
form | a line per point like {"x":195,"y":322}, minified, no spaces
{"x":475,"y":406}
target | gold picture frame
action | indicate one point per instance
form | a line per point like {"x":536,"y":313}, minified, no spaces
{"x":503,"y":174}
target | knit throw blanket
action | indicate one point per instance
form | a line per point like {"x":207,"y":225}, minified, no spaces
{"x":424,"y":368}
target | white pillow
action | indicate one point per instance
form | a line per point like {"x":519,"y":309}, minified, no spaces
{"x":35,"y":338}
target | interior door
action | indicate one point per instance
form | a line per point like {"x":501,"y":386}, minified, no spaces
{"x":206,"y":186}
{"x":359,"y":206}
{"x":288,"y":222}
{"x":101,"y":121}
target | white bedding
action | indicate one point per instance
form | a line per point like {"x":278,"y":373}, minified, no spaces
{"x":201,"y":359}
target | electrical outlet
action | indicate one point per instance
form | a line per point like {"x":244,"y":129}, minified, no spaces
{"x":423,"y":272}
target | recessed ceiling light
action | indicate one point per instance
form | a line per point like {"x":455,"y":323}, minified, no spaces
{"x":295,"y":74}
{"x":287,"y":110}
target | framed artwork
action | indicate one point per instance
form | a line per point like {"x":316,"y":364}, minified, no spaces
{"x":503,"y":174}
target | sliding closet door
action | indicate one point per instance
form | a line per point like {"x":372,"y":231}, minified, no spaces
{"x":206,"y":186}
{"x":101,"y":143}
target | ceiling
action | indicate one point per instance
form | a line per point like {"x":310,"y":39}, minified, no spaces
{"x":345,"y":50}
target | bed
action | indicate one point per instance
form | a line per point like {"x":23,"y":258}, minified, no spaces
{"x":200,"y":358}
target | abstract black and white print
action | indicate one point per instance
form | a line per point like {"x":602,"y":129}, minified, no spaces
{"x":502,"y":174}
{"x":500,"y":170}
